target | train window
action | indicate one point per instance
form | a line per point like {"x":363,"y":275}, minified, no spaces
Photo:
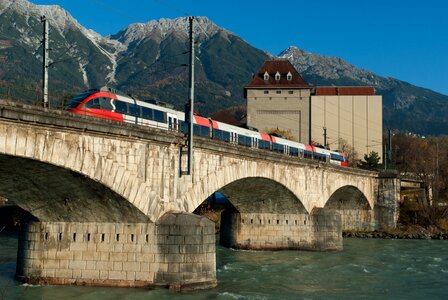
{"x":147,"y":113}
{"x":277,"y":147}
{"x":134,"y":110}
{"x":244,"y":140}
{"x":93,"y":103}
{"x":293,"y":151}
{"x":159,"y":116}
{"x":75,"y":101}
{"x":264,"y":144}
{"x":308,"y":154}
{"x":121,"y":107}
{"x":337,"y":157}
{"x":105,"y":103}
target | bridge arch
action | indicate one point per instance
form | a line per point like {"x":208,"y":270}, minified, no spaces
{"x":233,"y":179}
{"x":52,"y":193}
{"x":354,"y":207}
{"x":261,"y":195}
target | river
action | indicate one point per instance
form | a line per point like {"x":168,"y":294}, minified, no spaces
{"x":365,"y":269}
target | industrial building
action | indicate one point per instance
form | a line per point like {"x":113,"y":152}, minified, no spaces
{"x":278,"y":97}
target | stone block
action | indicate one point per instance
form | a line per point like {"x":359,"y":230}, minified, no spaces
{"x":145,"y":257}
{"x":131,"y":248}
{"x":144,"y":276}
{"x":192,"y":249}
{"x":144,"y":266}
{"x":173,"y":268}
{"x":173,"y":258}
{"x":78,"y":246}
{"x":193,"y":240}
{"x":131,"y":266}
{"x":64,"y":255}
{"x":104,"y":256}
{"x":90,"y":274}
{"x":103,"y":247}
{"x":117,"y":275}
{"x":51,"y":264}
{"x":49,"y":272}
{"x":77,"y":255}
{"x":174,"y":240}
{"x":104,"y":275}
{"x":130,"y":275}
{"x":132,"y":256}
{"x":172,"y":277}
{"x":76,"y":274}
{"x":104,"y":265}
{"x":78,"y":265}
{"x":50,"y":254}
{"x":118,"y":256}
{"x":90,"y":255}
{"x":118,"y":248}
{"x":63,"y":273}
{"x":91,"y":265}
{"x":92,"y":246}
{"x":118,"y":266}
{"x":163,"y":267}
{"x":208,"y":239}
{"x":194,"y":258}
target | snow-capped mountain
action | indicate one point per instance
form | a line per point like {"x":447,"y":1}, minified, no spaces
{"x":162,"y":28}
{"x":149,"y":59}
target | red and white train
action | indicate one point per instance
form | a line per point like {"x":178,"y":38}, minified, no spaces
{"x":108,"y":104}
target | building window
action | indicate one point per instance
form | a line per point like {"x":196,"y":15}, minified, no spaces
{"x":266,"y":92}
{"x":277,"y":76}
{"x":278,"y":92}
{"x":290,"y":92}
{"x":289,"y":76}
{"x":266,"y":76}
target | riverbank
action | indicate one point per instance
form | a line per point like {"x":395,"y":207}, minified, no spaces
{"x":409,"y":232}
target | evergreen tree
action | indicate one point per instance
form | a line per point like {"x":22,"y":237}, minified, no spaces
{"x":371,"y":161}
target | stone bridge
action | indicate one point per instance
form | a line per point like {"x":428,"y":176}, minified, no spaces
{"x":109,"y":205}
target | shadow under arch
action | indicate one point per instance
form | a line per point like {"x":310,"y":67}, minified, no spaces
{"x":262,"y":195}
{"x":52,"y":193}
{"x":352,"y":204}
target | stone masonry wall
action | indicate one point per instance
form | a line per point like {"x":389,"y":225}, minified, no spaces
{"x":386,"y":208}
{"x":356,"y":219}
{"x":261,"y":231}
{"x":111,"y":254}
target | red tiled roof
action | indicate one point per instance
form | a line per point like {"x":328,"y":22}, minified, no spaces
{"x":283,"y":67}
{"x":345,"y":91}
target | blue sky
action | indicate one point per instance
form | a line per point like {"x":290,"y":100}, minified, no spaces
{"x":404,"y":39}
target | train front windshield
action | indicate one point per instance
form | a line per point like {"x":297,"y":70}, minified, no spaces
{"x":75,"y":101}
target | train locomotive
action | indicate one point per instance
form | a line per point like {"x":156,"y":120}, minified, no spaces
{"x":108,"y":104}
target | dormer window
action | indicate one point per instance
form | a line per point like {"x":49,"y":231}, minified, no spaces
{"x":289,"y":76}
{"x":277,"y":76}
{"x":266,"y":76}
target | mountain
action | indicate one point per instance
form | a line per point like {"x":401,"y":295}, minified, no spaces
{"x":149,"y":60}
{"x":80,"y":57}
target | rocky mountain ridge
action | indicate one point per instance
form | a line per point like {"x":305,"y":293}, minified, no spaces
{"x":149,"y":60}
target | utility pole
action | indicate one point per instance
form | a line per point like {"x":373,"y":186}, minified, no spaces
{"x":325,"y":137}
{"x":389,"y":156}
{"x":191,"y":100}
{"x":45,"y":103}
{"x":436,"y":186}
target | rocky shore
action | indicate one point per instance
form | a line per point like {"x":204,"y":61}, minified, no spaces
{"x":414,"y":232}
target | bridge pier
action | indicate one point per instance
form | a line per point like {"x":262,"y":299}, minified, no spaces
{"x":321,"y":230}
{"x":387,"y":206}
{"x":177,"y":252}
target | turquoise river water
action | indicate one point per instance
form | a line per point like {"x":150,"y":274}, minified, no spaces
{"x":365,"y":269}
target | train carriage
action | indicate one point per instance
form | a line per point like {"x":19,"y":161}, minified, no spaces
{"x":108,"y":104}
